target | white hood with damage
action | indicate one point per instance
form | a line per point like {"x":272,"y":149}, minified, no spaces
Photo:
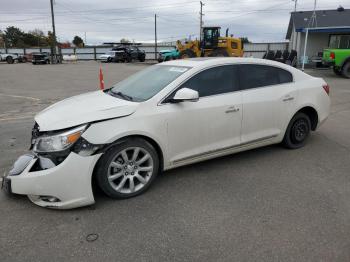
{"x":84,"y":108}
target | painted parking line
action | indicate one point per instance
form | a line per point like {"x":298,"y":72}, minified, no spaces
{"x":16,"y":118}
{"x":23,"y":97}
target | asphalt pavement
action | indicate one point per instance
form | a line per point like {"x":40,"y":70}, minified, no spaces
{"x":267,"y":204}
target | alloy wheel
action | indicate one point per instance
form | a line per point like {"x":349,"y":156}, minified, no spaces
{"x":130,"y":170}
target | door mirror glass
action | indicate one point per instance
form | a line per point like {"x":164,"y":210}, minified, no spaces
{"x":186,"y":94}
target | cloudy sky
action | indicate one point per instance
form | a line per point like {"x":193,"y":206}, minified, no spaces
{"x":111,"y":20}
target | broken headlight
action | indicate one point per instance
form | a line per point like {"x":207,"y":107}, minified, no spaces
{"x":58,"y":142}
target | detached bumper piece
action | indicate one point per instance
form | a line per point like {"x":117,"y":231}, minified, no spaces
{"x":63,"y":186}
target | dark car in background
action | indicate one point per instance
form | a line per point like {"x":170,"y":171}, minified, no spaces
{"x":40,"y":58}
{"x":128,"y":54}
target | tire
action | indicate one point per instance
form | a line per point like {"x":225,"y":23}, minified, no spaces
{"x":297,"y":131}
{"x":128,"y":59}
{"x":34,"y":63}
{"x":188,"y":53}
{"x":346,"y":70}
{"x":24,"y":60}
{"x":109,"y":59}
{"x":10,"y":60}
{"x":337,"y":71}
{"x":142,"y":58}
{"x":219,"y":53}
{"x":112,"y":163}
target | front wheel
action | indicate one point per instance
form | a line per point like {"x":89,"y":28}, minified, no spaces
{"x":297,"y":131}
{"x":10,"y":60}
{"x":128,"y":169}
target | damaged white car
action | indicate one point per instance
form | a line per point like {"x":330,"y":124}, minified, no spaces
{"x":168,"y":115}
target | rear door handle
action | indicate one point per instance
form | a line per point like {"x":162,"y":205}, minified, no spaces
{"x":288,"y":98}
{"x":232,"y":109}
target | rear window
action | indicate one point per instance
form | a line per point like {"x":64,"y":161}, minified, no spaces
{"x":253,"y":76}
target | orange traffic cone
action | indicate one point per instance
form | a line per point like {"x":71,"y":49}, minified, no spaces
{"x":102,"y":82}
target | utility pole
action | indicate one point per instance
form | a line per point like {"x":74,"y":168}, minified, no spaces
{"x":201,"y":22}
{"x":295,"y":5}
{"x":155,"y":36}
{"x":54,"y":34}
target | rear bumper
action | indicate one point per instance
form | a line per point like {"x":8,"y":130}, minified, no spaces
{"x":69,"y":183}
{"x":328,"y":63}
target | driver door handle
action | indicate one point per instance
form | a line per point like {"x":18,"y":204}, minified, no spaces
{"x":232,"y":109}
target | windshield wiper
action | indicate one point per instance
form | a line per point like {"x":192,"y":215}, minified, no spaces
{"x":122,"y":95}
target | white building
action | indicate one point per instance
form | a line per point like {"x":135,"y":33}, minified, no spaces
{"x":326,"y":28}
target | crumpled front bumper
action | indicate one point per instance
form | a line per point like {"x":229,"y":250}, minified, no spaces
{"x":69,"y":182}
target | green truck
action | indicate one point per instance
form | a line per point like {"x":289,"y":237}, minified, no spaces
{"x":339,"y":59}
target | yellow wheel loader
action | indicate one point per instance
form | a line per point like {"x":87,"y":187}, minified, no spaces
{"x":212,"y":44}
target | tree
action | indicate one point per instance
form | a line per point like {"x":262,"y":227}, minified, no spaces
{"x":37,"y":37}
{"x":2,"y":39}
{"x":245,"y":40}
{"x":124,"y":40}
{"x":14,"y":37}
{"x":78,"y":41}
{"x":50,"y":39}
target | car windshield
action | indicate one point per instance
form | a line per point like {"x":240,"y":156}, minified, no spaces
{"x":148,"y":82}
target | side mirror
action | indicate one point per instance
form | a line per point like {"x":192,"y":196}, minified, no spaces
{"x":185,"y":94}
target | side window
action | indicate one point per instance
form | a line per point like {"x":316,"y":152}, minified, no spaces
{"x":253,"y":76}
{"x":284,"y":76}
{"x":213,"y":81}
{"x":234,"y":45}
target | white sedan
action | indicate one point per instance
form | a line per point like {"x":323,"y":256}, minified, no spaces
{"x":107,"y":57}
{"x":168,"y":115}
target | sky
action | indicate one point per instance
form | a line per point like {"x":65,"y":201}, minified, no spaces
{"x":110,"y":20}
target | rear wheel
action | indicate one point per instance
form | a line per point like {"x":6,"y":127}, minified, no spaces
{"x":346,"y":70}
{"x":297,"y":131}
{"x":188,"y":53}
{"x":142,"y":58}
{"x":128,"y":169}
{"x":128,"y":59}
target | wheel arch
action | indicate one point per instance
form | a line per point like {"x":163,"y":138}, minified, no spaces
{"x":346,"y":60}
{"x":150,"y":140}
{"x":312,"y":113}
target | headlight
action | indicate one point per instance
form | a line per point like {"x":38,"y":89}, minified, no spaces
{"x":58,"y":142}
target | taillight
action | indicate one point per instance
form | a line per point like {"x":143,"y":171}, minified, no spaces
{"x":332,"y":55}
{"x":326,"y":88}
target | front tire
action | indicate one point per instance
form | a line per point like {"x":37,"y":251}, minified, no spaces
{"x":127,"y":169}
{"x":10,"y":60}
{"x":297,"y":131}
{"x":188,"y":53}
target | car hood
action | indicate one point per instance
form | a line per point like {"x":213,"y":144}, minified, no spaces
{"x":105,"y":56}
{"x":84,"y":108}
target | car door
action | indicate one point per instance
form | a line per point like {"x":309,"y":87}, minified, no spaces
{"x":268,"y":98}
{"x":213,"y":123}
